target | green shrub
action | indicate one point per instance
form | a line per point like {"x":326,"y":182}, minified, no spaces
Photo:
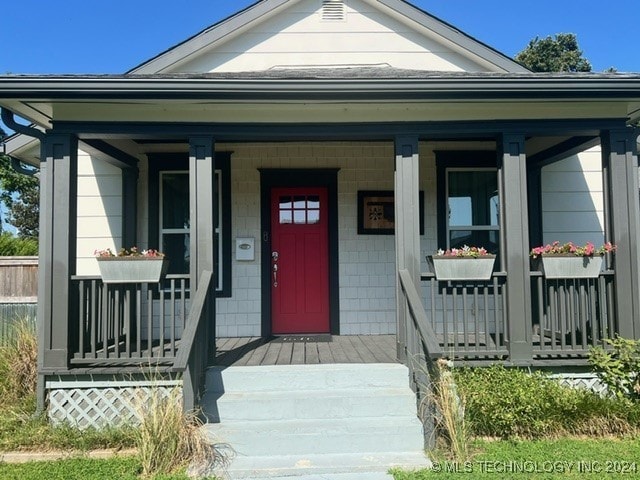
{"x":11,"y":246}
{"x":512,"y":403}
{"x":619,"y":367}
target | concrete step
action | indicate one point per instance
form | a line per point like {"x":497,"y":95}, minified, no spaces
{"x":306,"y":377}
{"x":308,"y":404}
{"x":299,"y":437}
{"x":322,"y":421}
{"x":362,"y":466}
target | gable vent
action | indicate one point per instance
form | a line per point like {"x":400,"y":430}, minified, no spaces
{"x":333,"y":10}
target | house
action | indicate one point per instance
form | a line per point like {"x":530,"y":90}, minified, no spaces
{"x":272,"y":155}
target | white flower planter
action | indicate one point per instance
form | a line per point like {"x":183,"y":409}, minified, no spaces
{"x":569,"y":266}
{"x":462,"y":268}
{"x":132,"y":269}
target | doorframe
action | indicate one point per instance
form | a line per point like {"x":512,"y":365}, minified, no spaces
{"x":299,"y":177}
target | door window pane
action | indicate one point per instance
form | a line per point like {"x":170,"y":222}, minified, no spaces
{"x":299,"y":209}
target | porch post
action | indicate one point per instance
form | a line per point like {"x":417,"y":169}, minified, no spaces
{"x":622,"y":224}
{"x":514,"y":249}
{"x":57,"y":249}
{"x":202,"y":205}
{"x":407,"y":227}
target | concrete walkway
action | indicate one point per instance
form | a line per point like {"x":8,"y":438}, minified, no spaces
{"x":24,"y":457}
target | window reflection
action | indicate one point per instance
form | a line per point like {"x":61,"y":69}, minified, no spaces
{"x":299,"y":209}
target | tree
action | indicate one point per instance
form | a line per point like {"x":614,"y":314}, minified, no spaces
{"x":19,"y":193}
{"x":559,"y":54}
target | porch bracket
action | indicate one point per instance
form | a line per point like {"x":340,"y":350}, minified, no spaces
{"x":622,"y":224}
{"x":407,"y":228}
{"x":512,"y":178}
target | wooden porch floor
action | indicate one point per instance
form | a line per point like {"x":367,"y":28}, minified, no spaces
{"x":306,"y":350}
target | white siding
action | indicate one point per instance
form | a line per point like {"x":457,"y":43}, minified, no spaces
{"x":366,"y":262}
{"x":572,"y":201}
{"x":99,"y":210}
{"x":299,"y":37}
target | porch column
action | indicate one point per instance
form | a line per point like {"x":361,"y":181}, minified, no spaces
{"x":622,"y":223}
{"x":57,"y":322}
{"x":202,"y":205}
{"x":407,"y":226}
{"x":512,"y":177}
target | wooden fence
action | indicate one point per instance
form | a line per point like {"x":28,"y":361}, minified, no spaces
{"x":18,"y":294}
{"x":18,"y":279}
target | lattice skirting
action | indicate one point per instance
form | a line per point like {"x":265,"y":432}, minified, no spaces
{"x":588,"y":381}
{"x":104,"y":402}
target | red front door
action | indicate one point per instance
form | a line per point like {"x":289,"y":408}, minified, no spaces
{"x":299,"y":260}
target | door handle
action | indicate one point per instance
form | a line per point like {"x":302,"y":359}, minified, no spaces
{"x":274,"y":258}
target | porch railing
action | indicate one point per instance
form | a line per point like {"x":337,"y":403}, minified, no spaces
{"x":193,"y":357}
{"x":572,"y":315}
{"x":421,"y":343}
{"x":468,"y":319}
{"x":128,"y":324}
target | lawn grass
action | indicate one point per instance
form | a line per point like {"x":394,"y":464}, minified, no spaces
{"x":21,"y":429}
{"x":121,"y":468}
{"x":540,"y":459}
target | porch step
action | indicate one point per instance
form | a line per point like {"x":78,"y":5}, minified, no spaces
{"x":292,"y":420}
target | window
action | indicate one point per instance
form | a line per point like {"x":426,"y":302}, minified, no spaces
{"x":468,"y":200}
{"x":473,"y":209}
{"x":299,"y":209}
{"x":169,"y":214}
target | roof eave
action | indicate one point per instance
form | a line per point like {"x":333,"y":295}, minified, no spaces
{"x":441,"y":88}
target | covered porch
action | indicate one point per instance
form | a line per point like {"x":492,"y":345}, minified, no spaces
{"x":406,"y":142}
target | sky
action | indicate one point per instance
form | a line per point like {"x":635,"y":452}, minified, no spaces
{"x":112,"y":36}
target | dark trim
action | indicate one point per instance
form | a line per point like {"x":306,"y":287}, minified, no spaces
{"x":7,"y":117}
{"x":362,"y":194}
{"x":252,"y":132}
{"x":563,"y":150}
{"x":292,"y":86}
{"x":129,"y":207}
{"x":180,"y":161}
{"x":114,"y":156}
{"x":57,"y":303}
{"x":322,"y":177}
{"x":534,"y":189}
{"x":456,"y":159}
{"x":514,"y":248}
{"x":17,"y":166}
{"x":622,"y":224}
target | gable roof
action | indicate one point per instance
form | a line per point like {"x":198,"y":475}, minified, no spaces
{"x":262,"y":10}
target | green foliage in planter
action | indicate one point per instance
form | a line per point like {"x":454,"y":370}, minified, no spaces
{"x":513,"y":403}
{"x":619,"y":367}
{"x":11,"y":246}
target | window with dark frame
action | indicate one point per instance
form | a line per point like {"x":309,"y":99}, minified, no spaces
{"x":473,"y":208}
{"x":468,"y":200}
{"x":169,"y":214}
